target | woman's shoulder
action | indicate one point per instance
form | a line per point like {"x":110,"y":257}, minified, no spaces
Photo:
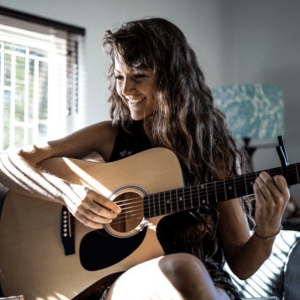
{"x":107,"y":127}
{"x":103,"y":136}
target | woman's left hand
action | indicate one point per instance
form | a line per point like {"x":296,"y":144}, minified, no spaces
{"x":271,"y":195}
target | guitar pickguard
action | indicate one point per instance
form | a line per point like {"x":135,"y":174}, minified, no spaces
{"x":99,"y":250}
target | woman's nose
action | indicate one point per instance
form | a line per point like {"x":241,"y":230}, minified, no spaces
{"x":128,"y":87}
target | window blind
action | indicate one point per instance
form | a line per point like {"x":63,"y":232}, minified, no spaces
{"x":39,"y":78}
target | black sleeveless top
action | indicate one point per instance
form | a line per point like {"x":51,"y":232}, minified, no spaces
{"x":171,"y":228}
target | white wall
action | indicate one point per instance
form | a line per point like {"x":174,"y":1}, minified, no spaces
{"x":266,"y":43}
{"x":206,"y":24}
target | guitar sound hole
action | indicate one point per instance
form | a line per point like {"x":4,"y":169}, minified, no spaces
{"x":132,"y":213}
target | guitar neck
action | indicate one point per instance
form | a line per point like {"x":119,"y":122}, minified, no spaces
{"x":181,"y":199}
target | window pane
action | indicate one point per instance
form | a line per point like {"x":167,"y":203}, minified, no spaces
{"x":7,"y":70}
{"x":15,"y":48}
{"x":6,"y":119}
{"x":43,"y":90}
{"x":19,"y":102}
{"x":19,"y":137}
{"x":37,"y":52}
{"x":30,"y":136}
{"x":20,"y":68}
{"x":42,"y":132}
{"x":31,"y":91}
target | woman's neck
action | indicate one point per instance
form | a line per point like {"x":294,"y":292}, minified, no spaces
{"x":147,"y":125}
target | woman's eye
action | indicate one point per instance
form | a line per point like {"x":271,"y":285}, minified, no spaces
{"x":139,"y":75}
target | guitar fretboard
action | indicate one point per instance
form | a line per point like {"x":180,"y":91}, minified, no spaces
{"x":209,"y":193}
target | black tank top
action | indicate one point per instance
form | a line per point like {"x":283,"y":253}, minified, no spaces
{"x":132,"y":141}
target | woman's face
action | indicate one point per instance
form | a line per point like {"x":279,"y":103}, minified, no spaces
{"x":137,"y":88}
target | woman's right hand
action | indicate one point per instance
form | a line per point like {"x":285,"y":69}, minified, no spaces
{"x":91,"y":208}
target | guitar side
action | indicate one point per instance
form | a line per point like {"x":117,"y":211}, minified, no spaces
{"x":32,"y":258}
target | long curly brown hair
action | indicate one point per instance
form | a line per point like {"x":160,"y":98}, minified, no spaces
{"x":185,"y":119}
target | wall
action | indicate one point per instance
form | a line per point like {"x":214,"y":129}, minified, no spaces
{"x":206,"y":24}
{"x":266,"y":47}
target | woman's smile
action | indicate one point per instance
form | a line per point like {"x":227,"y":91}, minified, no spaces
{"x":136,"y":103}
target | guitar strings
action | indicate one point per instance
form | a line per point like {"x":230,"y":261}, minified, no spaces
{"x":189,"y":194}
{"x":129,"y":208}
{"x":137,"y":208}
{"x":139,"y":212}
{"x":210,"y":188}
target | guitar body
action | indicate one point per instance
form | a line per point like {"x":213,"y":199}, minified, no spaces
{"x":32,"y":257}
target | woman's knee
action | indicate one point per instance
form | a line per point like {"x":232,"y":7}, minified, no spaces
{"x":184,"y":270}
{"x":180,"y":263}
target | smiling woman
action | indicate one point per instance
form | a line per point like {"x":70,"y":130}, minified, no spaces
{"x":171,"y":146}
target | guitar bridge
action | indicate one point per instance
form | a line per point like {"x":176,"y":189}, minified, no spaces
{"x":67,"y":231}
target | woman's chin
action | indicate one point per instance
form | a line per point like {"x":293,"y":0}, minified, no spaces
{"x":140,"y":117}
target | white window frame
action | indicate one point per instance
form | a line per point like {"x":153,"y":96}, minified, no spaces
{"x":57,"y":106}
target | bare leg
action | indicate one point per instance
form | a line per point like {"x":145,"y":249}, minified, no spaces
{"x":173,"y":277}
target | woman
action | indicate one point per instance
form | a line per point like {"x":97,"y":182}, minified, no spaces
{"x":159,"y":99}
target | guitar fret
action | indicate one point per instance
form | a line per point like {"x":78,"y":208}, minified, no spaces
{"x":234,"y":186}
{"x":162,"y":204}
{"x":250,"y":186}
{"x":225,"y":189}
{"x":245,"y":181}
{"x":216,"y":191}
{"x":168,"y":202}
{"x":159,"y":205}
{"x":230,"y":189}
{"x":146,"y":210}
{"x":220,"y":191}
{"x":152,"y":208}
{"x":165,"y":203}
{"x":241,"y":188}
{"x":149,"y":207}
{"x":203,"y":200}
{"x":188,"y":198}
{"x":183,"y":196}
{"x":191,"y":197}
{"x":173,"y":194}
{"x":180,"y":197}
{"x":156,"y":205}
{"x":207,"y":199}
{"x":199,"y":197}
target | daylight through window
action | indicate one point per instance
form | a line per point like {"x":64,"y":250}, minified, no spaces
{"x":38,"y":82}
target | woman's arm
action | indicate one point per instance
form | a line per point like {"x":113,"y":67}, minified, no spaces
{"x":243,"y":253}
{"x":19,"y":172}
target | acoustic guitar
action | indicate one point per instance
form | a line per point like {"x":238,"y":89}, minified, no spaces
{"x":46,"y":254}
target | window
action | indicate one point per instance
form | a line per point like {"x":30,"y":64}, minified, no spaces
{"x":39,"y":62}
